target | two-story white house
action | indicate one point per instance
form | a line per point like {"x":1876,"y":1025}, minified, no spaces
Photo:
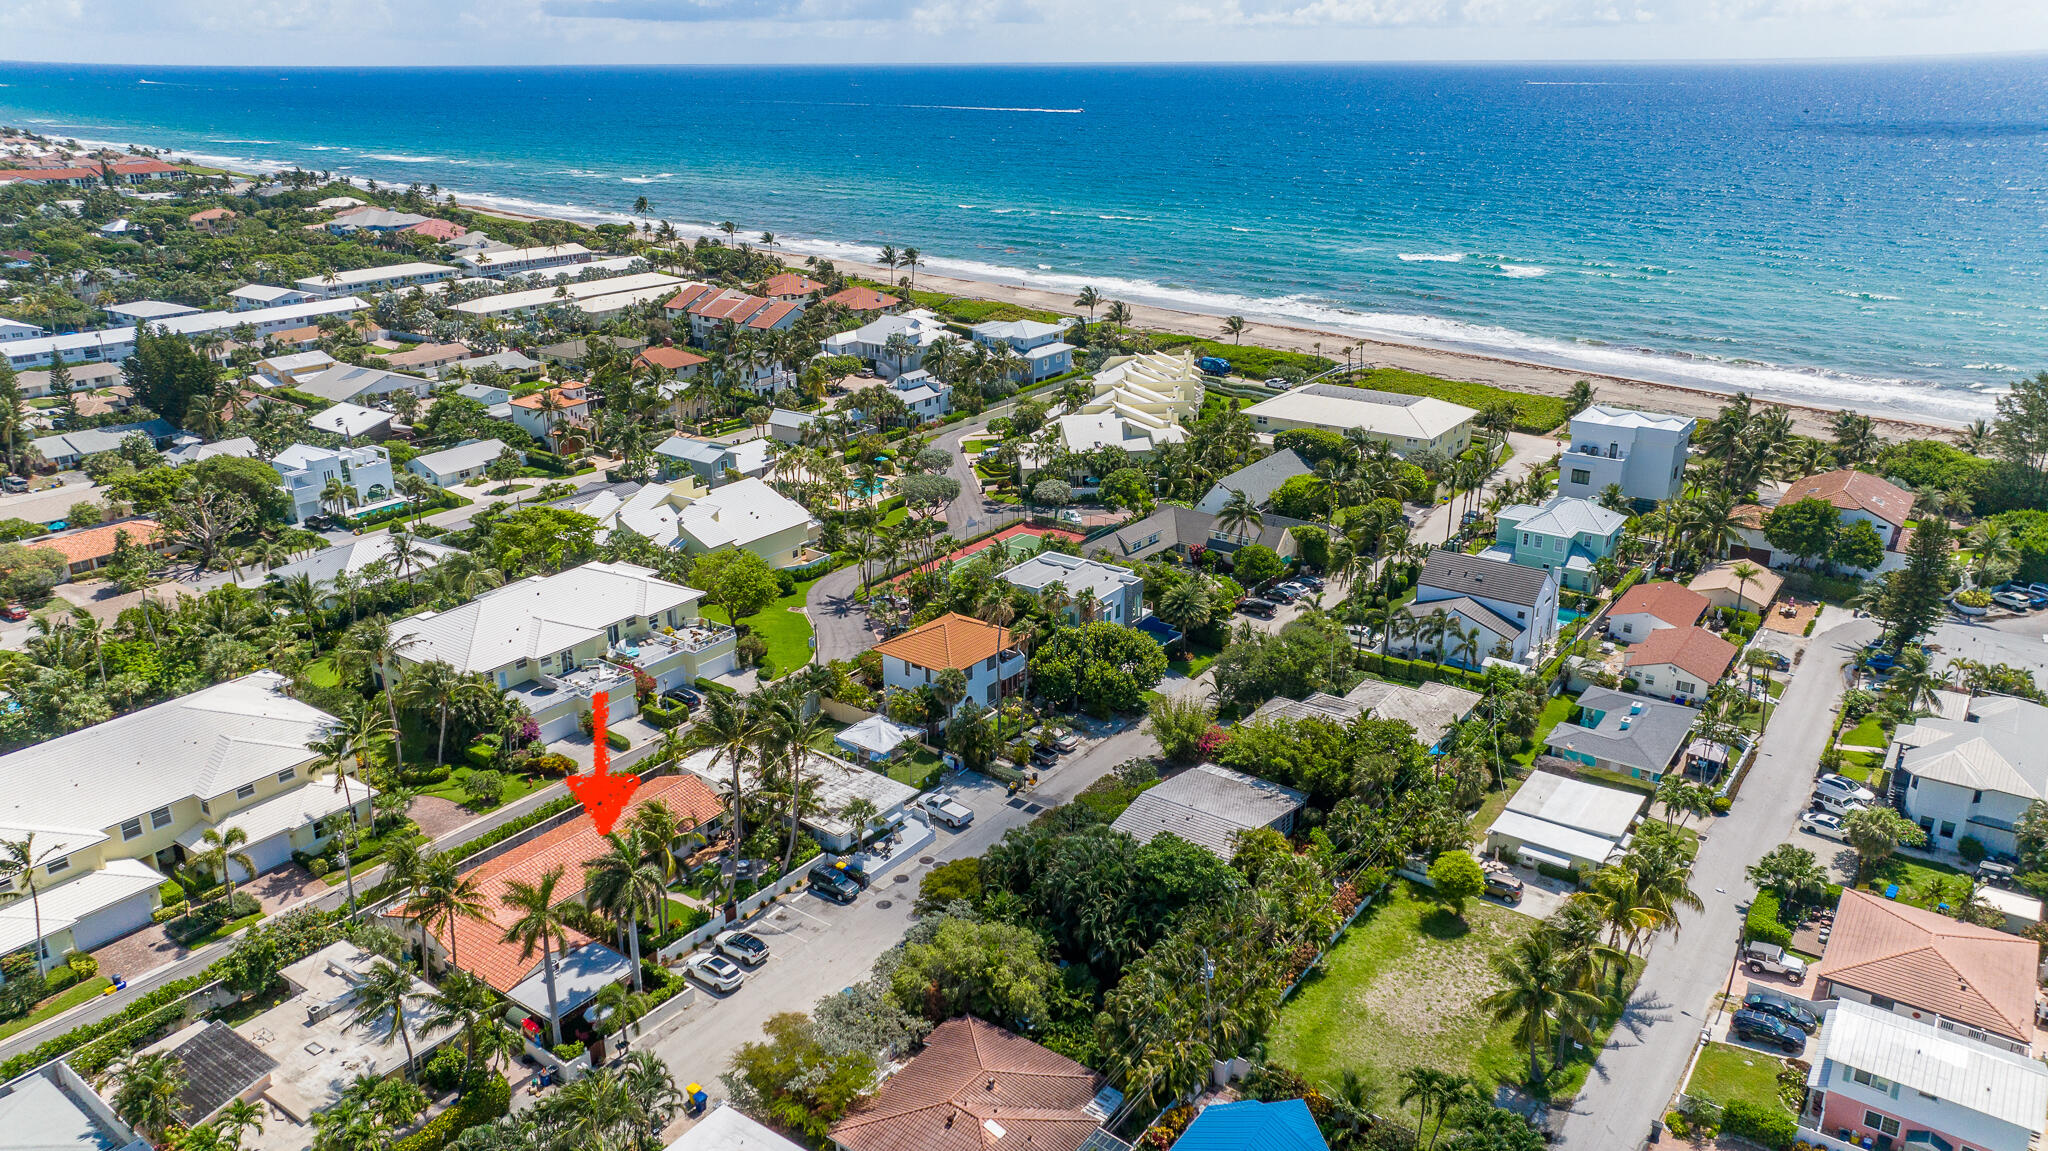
{"x":875,"y":341}
{"x":1881,"y":1079}
{"x":1112,"y":593}
{"x":109,"y":810}
{"x":924,"y":396}
{"x":305,"y":471}
{"x":556,"y":641}
{"x":1975,"y":776}
{"x":991,"y":658}
{"x":1046,"y":353}
{"x":1513,"y":608}
{"x":1644,"y":452}
{"x":1856,"y":497}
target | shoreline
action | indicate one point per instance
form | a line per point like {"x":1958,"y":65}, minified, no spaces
{"x":1699,"y":402}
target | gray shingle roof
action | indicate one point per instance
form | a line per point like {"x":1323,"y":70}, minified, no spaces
{"x":1258,"y":479}
{"x":1469,"y":575}
{"x":1208,"y":805}
{"x":1655,"y":732}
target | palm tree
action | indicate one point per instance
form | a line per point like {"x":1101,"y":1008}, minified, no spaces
{"x":1744,"y":571}
{"x":18,"y":862}
{"x":543,"y":925}
{"x":626,"y":880}
{"x":147,"y":1098}
{"x":239,"y":1116}
{"x":1538,"y":998}
{"x":338,"y":496}
{"x":794,"y":731}
{"x":1240,"y":517}
{"x":1233,"y":326}
{"x":222,"y":853}
{"x":860,"y":813}
{"x":1434,"y":1091}
{"x":461,"y":1002}
{"x":372,"y":648}
{"x":382,"y":1000}
{"x":1612,"y":894}
{"x":731,"y":730}
{"x":447,"y":895}
{"x":1088,"y":298}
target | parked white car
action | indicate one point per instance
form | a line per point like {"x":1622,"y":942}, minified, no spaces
{"x":1762,"y":957}
{"x":1842,"y":787}
{"x":1821,"y":823}
{"x":743,"y":946}
{"x":716,"y":972}
{"x":947,"y":810}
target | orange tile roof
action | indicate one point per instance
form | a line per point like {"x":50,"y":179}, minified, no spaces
{"x":952,"y":640}
{"x":862,"y":300}
{"x":1689,"y":649}
{"x":1749,"y":516}
{"x":436,"y":229}
{"x":98,"y":543}
{"x":972,"y":1080}
{"x":1674,"y":603}
{"x":790,"y":284}
{"x":772,"y":315}
{"x":730,"y":304}
{"x":210,"y":214}
{"x":428,"y":354}
{"x":1923,"y":959}
{"x":480,"y":946}
{"x":569,"y":403}
{"x":1854,"y":491}
{"x":674,"y":359}
{"x":689,"y":295}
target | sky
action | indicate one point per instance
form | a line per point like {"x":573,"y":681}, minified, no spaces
{"x":684,"y":32}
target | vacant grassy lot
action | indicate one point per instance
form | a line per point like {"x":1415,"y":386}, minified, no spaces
{"x":1403,"y":989}
{"x":1726,"y":1073}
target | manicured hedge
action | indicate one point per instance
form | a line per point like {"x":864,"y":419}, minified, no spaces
{"x":79,"y":1036}
{"x":1762,"y":926}
{"x":1771,"y":1126}
{"x":1251,"y":362}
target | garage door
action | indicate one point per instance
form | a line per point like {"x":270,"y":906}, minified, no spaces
{"x":717,"y":667}
{"x":275,"y":851}
{"x":559,"y":728}
{"x":109,"y":924}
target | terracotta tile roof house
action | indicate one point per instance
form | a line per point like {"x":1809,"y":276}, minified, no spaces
{"x":674,"y":359}
{"x":87,"y":549}
{"x":1749,"y":516}
{"x":480,"y":948}
{"x":863,"y":300}
{"x":790,"y":285}
{"x":690,"y":294}
{"x":952,"y":640}
{"x":210,"y":215}
{"x":1854,"y":491}
{"x":977,"y":1087}
{"x":1927,"y":964}
{"x":421,"y":356}
{"x":437,"y":229}
{"x":1671,"y":602}
{"x":1693,"y":650}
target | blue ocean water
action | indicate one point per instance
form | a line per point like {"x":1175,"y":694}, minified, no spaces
{"x":1873,"y":235}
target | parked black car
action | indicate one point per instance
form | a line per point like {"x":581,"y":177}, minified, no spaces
{"x":1791,"y":1013}
{"x":1263,"y":609}
{"x":833,"y":884}
{"x":1044,"y":755}
{"x":1757,"y":1027}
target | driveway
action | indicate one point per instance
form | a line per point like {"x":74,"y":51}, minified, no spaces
{"x":1637,"y":1072}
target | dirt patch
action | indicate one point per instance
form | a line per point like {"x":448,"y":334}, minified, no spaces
{"x":1794,"y":624}
{"x":1432,"y":989}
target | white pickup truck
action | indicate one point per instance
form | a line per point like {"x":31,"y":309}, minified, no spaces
{"x":1762,"y":957}
{"x":947,"y":810}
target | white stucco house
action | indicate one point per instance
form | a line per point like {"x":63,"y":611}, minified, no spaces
{"x":1644,"y":452}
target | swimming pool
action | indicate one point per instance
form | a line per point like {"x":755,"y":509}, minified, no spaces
{"x":873,"y":487}
{"x":1566,"y":615}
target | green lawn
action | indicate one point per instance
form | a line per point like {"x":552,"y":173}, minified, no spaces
{"x":919,"y":771}
{"x":1195,"y":662}
{"x":1913,"y":877}
{"x":1490,"y":808}
{"x":1726,"y":1073}
{"x":1555,"y":711}
{"x":786,"y":630}
{"x":516,"y":787}
{"x":1403,"y":989}
{"x":57,"y":1004}
{"x":321,"y":673}
{"x":1869,"y":733}
{"x":1858,"y":765}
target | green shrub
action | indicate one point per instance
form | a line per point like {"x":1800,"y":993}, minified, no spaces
{"x":320,"y":867}
{"x":19,"y":996}
{"x":170,"y":891}
{"x":617,"y":740}
{"x":58,"y":979}
{"x":205,"y":920}
{"x":1762,"y":925}
{"x":487,"y":1099}
{"x":85,"y":965}
{"x":568,"y":1050}
{"x":443,"y":1072}
{"x":1721,"y":804}
{"x":1553,"y":871}
{"x":1773,"y":1127}
{"x":1971,"y":849}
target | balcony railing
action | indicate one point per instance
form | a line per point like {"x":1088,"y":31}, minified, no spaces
{"x":1594,"y":451}
{"x":589,"y":678}
{"x":1013,"y":665}
{"x":689,"y":639}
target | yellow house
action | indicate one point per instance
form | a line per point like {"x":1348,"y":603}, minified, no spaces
{"x":110,"y":809}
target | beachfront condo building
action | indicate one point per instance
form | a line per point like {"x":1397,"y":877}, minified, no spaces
{"x":1644,"y":452}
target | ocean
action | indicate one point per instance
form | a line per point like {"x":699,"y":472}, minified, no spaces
{"x":1872,"y":235}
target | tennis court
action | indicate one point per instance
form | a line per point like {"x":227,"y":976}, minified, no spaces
{"x":1013,"y":546}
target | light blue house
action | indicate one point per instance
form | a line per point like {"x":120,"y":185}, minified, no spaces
{"x":1565,"y":535}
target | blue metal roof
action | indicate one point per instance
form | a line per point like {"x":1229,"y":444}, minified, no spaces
{"x":1253,"y":1126}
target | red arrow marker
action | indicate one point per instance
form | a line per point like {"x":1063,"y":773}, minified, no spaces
{"x":602,"y":794}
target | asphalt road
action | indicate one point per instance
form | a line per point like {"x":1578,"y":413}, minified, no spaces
{"x":1635,"y":1075}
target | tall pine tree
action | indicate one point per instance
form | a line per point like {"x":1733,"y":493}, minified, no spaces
{"x":1916,"y":594}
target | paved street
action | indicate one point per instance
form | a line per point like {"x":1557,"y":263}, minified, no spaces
{"x":1636,"y":1074}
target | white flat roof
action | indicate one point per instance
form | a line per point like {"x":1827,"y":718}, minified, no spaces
{"x":360,"y":276}
{"x":461,"y":456}
{"x":569,"y":292}
{"x":579,"y":976}
{"x":838,"y":784}
{"x":729,"y":1129}
{"x":1588,"y":807}
{"x":1975,"y":1076}
{"x":1336,"y":406}
{"x":1565,"y":841}
{"x":1073,"y":572}
{"x":541,"y":615}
